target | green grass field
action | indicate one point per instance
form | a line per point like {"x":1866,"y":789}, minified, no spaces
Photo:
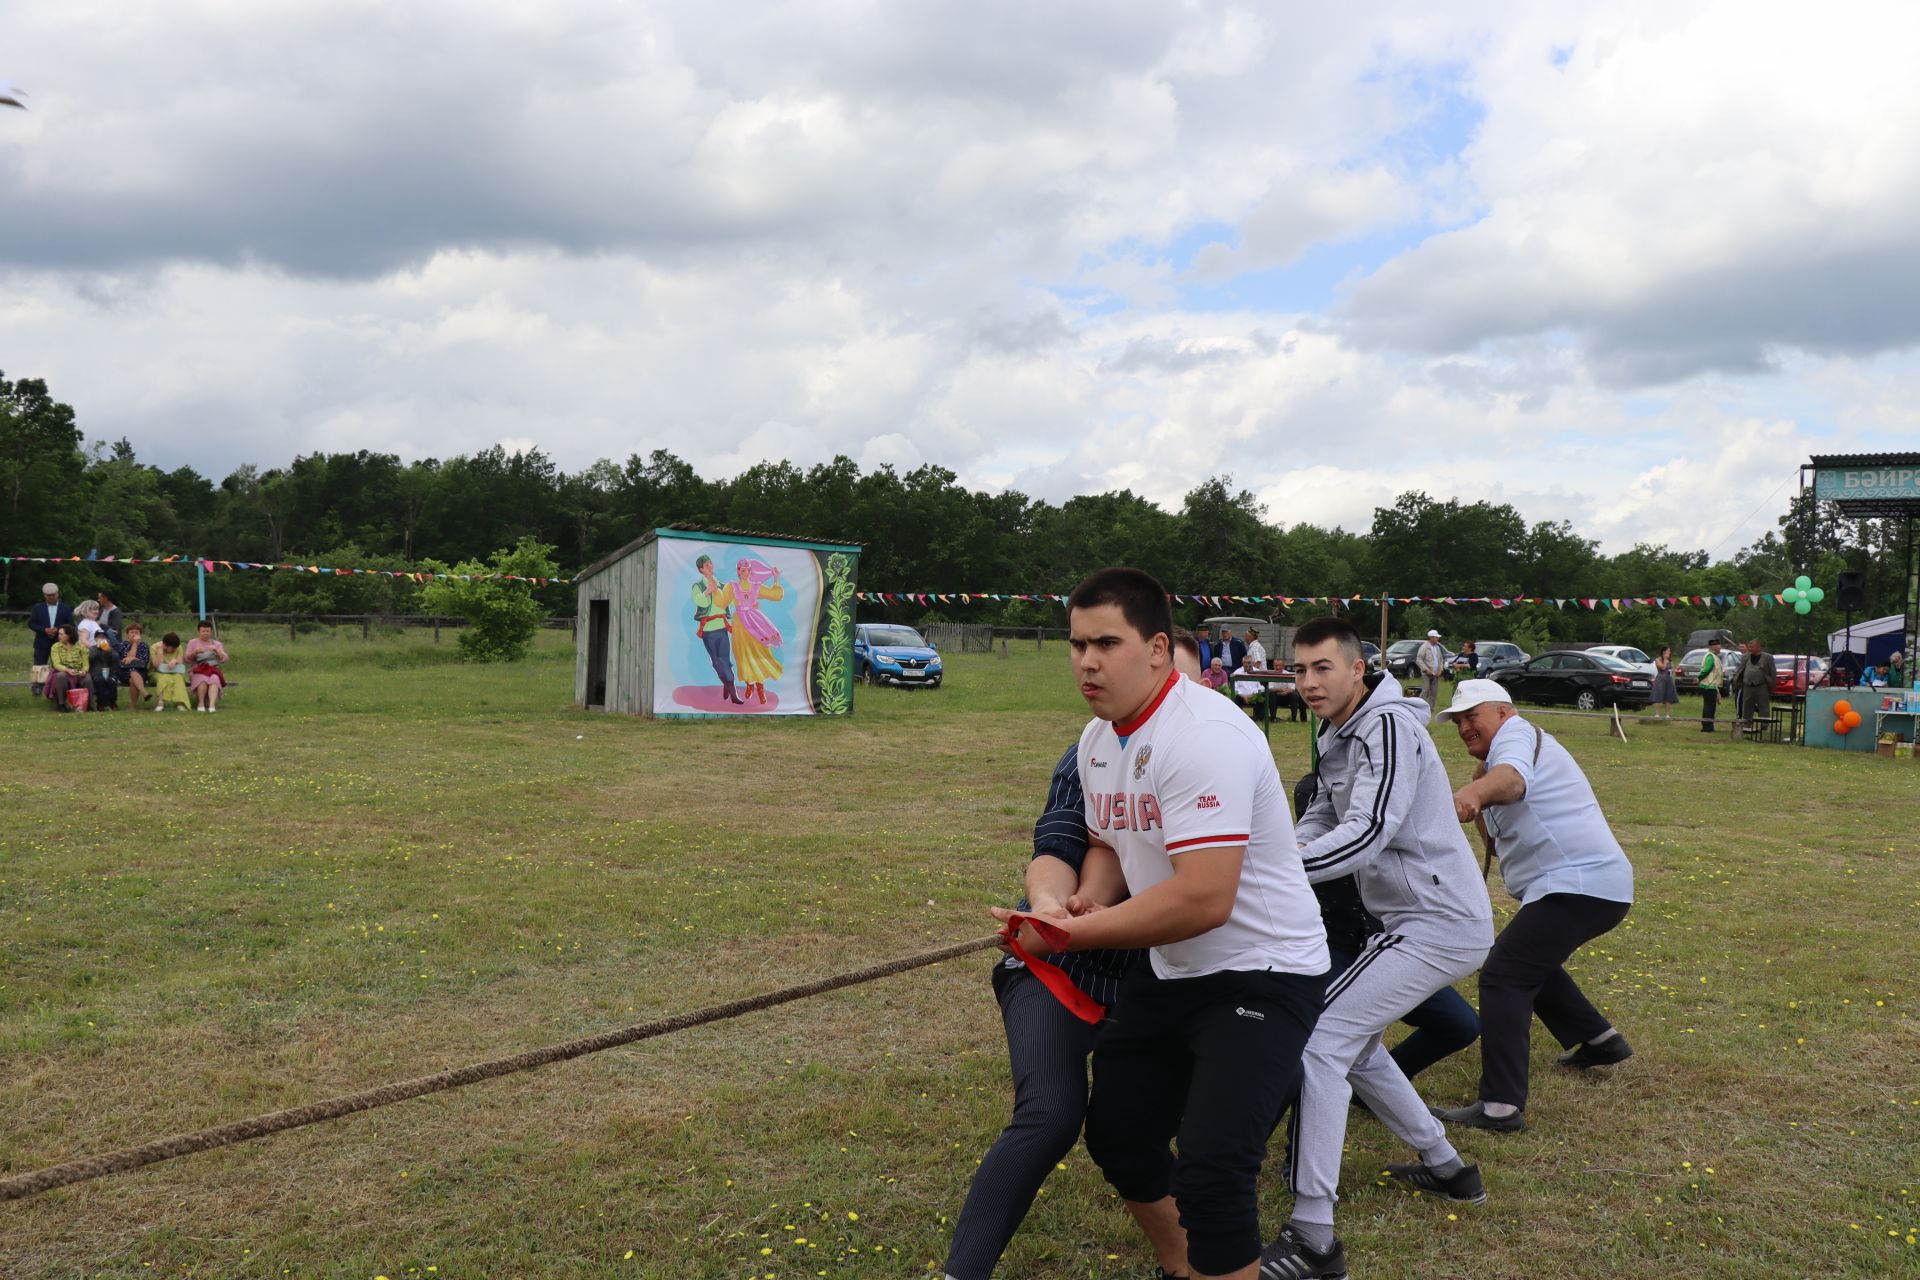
{"x":376,"y":862}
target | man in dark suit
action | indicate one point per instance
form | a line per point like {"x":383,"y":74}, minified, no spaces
{"x":1233,"y":649}
{"x":45,"y":622}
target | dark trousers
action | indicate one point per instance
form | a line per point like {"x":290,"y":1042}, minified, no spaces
{"x":1526,"y":974}
{"x":1443,"y":1024}
{"x":1209,"y":1062}
{"x":1709,"y":708}
{"x":720,"y":654}
{"x":1047,"y":1048}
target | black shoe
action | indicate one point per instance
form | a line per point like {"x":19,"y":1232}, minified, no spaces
{"x":1585,"y":1055}
{"x":1291,"y":1258}
{"x":1476,"y":1117}
{"x":1464,"y":1187}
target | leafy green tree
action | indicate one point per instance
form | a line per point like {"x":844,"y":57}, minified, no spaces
{"x":294,"y":591}
{"x":41,"y":468}
{"x":502,"y":617}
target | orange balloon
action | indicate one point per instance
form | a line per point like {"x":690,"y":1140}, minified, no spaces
{"x":1842,"y":728}
{"x":1853,"y":719}
{"x":1841,"y":708}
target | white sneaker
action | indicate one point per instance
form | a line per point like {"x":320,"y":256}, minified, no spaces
{"x":160,"y":706}
{"x":200,"y":709}
{"x":211,"y":710}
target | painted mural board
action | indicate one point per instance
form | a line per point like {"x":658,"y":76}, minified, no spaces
{"x":752,"y":628}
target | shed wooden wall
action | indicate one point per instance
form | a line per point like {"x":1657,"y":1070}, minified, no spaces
{"x":628,"y":587}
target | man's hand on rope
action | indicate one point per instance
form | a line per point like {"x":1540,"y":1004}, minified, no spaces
{"x":1029,"y":937}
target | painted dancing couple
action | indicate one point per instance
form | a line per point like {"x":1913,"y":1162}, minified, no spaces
{"x":729,"y":623}
{"x":1168,"y":861}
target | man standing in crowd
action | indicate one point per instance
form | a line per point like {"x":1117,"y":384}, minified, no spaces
{"x":1712,"y":672}
{"x":1432,"y":661}
{"x":1047,"y":1044}
{"x":1560,"y":859}
{"x":45,"y":621}
{"x":1383,"y":816}
{"x":1203,"y":1042}
{"x":1256,"y":652}
{"x":1756,"y":686}
{"x":110,"y":616}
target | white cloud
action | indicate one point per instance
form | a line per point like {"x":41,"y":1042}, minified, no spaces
{"x":976,"y":236}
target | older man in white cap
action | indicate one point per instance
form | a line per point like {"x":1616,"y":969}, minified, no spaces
{"x":1432,"y":661}
{"x":1557,"y":855}
{"x":45,"y":621}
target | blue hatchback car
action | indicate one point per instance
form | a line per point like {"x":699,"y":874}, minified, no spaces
{"x":888,"y":653}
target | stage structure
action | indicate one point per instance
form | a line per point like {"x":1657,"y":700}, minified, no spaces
{"x":1877,"y":486}
{"x":689,"y":623}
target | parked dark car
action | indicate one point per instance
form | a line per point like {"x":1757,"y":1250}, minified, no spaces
{"x":1686,"y":672}
{"x":1402,"y":661}
{"x":1584,"y":680}
{"x":887,"y":653}
{"x":1371,"y":652}
{"x":1493,"y":654}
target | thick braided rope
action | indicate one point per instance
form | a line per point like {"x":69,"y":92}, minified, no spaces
{"x":20,"y":1186}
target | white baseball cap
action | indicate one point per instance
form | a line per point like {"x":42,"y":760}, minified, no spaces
{"x":1432,"y":634}
{"x":1469,"y":694}
{"x":50,"y":589}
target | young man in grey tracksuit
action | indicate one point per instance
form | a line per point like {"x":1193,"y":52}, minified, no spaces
{"x":1384,"y":815}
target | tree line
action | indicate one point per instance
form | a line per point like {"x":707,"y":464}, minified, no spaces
{"x":922,"y":531}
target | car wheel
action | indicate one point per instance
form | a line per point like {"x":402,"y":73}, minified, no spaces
{"x":867,"y":677}
{"x":1586,"y":701}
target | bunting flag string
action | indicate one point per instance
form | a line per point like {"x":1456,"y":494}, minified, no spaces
{"x":234,"y":566}
{"x":1592,"y":604}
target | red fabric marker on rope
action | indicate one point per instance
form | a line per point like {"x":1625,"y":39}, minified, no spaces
{"x":1052,"y":976}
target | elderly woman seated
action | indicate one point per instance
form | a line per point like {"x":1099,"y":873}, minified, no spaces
{"x":66,"y":666}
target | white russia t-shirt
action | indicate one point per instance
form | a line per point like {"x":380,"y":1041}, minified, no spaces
{"x":1192,"y":772}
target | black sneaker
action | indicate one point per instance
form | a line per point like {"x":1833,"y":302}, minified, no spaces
{"x":1585,"y":1056}
{"x":1464,"y":1187}
{"x":1291,"y":1258}
{"x":1476,"y":1117}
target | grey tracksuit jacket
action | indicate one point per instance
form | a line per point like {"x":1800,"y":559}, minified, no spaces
{"x":1384,"y":815}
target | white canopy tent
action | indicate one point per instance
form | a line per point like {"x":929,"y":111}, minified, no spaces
{"x":1873,"y":642}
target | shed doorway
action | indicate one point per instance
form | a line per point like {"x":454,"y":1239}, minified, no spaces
{"x":599,"y":617}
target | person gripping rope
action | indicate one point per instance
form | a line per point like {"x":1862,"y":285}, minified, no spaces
{"x":1383,"y":815}
{"x":1559,"y":857}
{"x":1047,"y":1045}
{"x":1203,"y":1042}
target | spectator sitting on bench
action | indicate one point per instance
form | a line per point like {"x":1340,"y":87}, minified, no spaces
{"x":66,"y":666}
{"x":131,"y":661}
{"x":205,"y":657}
{"x":1251,"y":694}
{"x":170,"y":674}
{"x":1215,"y":676}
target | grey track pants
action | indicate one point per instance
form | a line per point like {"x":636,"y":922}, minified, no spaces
{"x":1344,"y":1057}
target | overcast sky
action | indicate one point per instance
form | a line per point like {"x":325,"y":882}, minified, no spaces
{"x":1622,"y":264}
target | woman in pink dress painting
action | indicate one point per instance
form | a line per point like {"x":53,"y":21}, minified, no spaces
{"x":754,"y":635}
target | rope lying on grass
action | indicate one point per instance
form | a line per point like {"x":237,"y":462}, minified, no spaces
{"x":20,"y":1186}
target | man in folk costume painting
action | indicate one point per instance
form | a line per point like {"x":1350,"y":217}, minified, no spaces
{"x":712,"y":622}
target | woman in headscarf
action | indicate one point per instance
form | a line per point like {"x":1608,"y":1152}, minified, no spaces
{"x":754,"y":635}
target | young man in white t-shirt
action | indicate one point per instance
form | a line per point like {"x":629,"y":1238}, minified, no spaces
{"x":1203,"y":1043}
